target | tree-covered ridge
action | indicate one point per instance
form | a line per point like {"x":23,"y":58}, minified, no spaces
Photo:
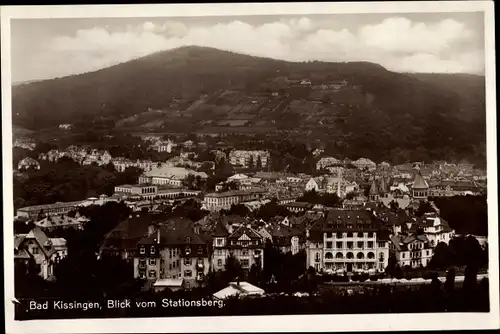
{"x":408,"y":117}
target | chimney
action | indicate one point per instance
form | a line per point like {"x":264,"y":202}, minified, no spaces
{"x":158,"y":235}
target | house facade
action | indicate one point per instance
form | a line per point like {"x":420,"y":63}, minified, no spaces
{"x":172,"y":252}
{"x":244,"y":243}
{"x":346,"y":241}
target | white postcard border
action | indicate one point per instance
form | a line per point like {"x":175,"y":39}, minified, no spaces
{"x":386,"y":322}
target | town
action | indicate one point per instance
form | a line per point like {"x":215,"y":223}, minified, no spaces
{"x":208,"y":216}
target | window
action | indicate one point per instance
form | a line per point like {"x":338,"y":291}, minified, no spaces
{"x":188,"y":250}
{"x":350,"y":245}
{"x":244,"y":252}
{"x":188,"y":239}
{"x":218,"y":252}
{"x":339,"y":255}
{"x":361,"y":244}
{"x":200,"y":250}
{"x":218,"y":241}
{"x":219,"y":262}
{"x":370,"y":244}
{"x":34,"y":250}
{"x":317,"y":257}
{"x":350,"y":255}
{"x":170,"y":266}
{"x":152,"y":274}
{"x":339,"y":235}
{"x":153,"y":250}
{"x":339,"y":244}
{"x":360,"y":256}
{"x":152,"y":262}
{"x":329,"y":244}
{"x":170,"y":253}
{"x":188,"y":273}
{"x":427,"y":252}
{"x":142,"y":250}
{"x":244,"y":243}
{"x":360,"y":235}
{"x":187,"y":262}
{"x":402,"y":255}
{"x":349,"y":234}
{"x":142,"y":262}
{"x":244,"y":263}
{"x":381,"y":244}
{"x":370,"y":234}
{"x":328,"y":256}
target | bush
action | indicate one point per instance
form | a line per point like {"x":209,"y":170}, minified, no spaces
{"x":363,"y":277}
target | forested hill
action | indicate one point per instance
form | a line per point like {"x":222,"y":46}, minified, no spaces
{"x":383,"y":112}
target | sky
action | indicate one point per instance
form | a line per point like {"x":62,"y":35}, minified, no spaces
{"x":426,"y":42}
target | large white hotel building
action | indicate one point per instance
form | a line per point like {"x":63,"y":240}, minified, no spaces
{"x":347,"y":241}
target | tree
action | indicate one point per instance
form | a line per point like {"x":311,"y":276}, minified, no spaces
{"x":442,"y":257}
{"x":424,"y":207}
{"x":259,"y":162}
{"x":233,"y":269}
{"x":239,"y":210}
{"x":189,"y":181}
{"x":449,"y":284}
{"x":470,"y":278}
{"x":393,"y":269}
{"x":394,"y":206}
{"x":251,"y":163}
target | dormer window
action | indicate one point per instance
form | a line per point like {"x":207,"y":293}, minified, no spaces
{"x":188,"y":250}
{"x":153,"y":250}
{"x":188,"y":239}
{"x":142,"y":250}
{"x":200,"y":250}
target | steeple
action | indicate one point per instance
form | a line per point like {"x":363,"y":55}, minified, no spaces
{"x":420,"y":188}
{"x":373,"y":194}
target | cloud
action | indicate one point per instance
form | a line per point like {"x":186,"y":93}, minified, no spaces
{"x":396,"y":43}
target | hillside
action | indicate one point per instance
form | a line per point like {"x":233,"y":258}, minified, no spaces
{"x":197,"y":89}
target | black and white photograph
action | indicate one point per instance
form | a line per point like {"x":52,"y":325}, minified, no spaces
{"x":249,"y":167}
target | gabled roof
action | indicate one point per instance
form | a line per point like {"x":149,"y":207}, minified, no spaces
{"x":245,"y":230}
{"x":419,"y":182}
{"x":129,"y":232}
{"x":175,"y":234}
{"x":220,"y":230}
{"x":43,"y":241}
{"x":374,"y":188}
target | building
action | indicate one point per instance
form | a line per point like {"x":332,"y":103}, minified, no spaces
{"x":327,"y":162}
{"x":123,"y":239}
{"x":364,"y":163}
{"x":412,"y":250}
{"x":419,"y":188}
{"x":166,"y":175}
{"x":287,"y":239}
{"x":435,"y":228}
{"x":50,"y":223}
{"x":42,"y":250}
{"x":298,"y":207}
{"x":347,"y":241}
{"x":244,"y":244}
{"x":136,"y":189}
{"x":173,"y":251}
{"x":28,"y":163}
{"x":241,"y":289}
{"x":59,"y":208}
{"x":224,"y":200}
{"x":249,"y":158}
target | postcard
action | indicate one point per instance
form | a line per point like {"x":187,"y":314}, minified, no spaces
{"x":250,"y":167}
